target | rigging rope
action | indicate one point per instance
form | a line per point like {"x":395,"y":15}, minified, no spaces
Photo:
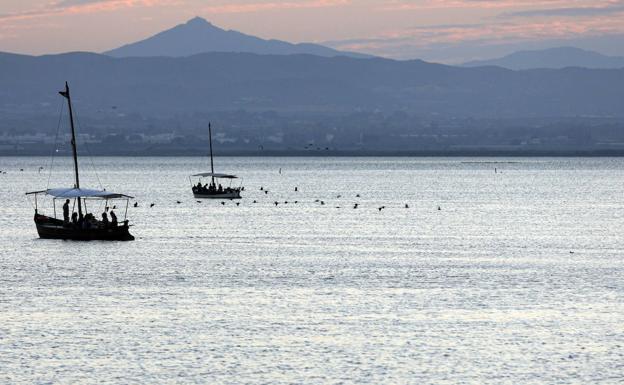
{"x":54,"y":149}
{"x":88,"y":152}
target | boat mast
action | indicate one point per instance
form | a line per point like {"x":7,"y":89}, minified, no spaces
{"x":73,"y":143}
{"x":211,"y":159}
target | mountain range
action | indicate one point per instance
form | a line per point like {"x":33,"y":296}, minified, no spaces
{"x":199,"y":36}
{"x":157,"y":86}
{"x":560,"y":57}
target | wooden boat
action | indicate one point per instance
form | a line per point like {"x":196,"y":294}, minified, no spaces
{"x":81,"y":227}
{"x":214,"y":189}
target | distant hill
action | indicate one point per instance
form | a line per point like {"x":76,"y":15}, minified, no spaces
{"x":161,"y":86}
{"x":556,"y":58}
{"x":199,"y":36}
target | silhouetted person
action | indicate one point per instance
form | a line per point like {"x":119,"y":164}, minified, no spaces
{"x":74,"y":218}
{"x":66,"y":211}
{"x":113,"y":219}
{"x":88,"y":221}
{"x":220,"y":188}
{"x":104,"y":219}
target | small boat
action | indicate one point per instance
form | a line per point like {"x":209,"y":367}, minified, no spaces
{"x":214,"y":189}
{"x":81,"y":227}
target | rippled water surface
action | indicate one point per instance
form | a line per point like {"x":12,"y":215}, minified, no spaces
{"x":511,"y":277}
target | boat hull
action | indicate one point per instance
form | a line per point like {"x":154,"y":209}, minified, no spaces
{"x":216,"y":195}
{"x":54,"y":229}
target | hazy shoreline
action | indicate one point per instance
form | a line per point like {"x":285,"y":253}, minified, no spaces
{"x":364,"y":154}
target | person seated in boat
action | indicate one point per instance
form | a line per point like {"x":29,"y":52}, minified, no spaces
{"x":199,"y":186}
{"x":113,"y":219}
{"x":220,"y":189}
{"x":66,"y":212}
{"x":104,"y":219}
{"x":89,"y":221}
{"x":74,"y":219}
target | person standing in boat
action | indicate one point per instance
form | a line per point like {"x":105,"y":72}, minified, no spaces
{"x":113,"y":219}
{"x":66,"y":211}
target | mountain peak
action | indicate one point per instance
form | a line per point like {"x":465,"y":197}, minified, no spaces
{"x":198,"y":21}
{"x":556,"y":57}
{"x":198,"y":35}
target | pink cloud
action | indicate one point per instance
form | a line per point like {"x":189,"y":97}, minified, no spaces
{"x":426,"y":37}
{"x":269,"y":6}
{"x":404,"y":5}
{"x":72,"y":7}
{"x":522,"y":31}
{"x":107,"y":6}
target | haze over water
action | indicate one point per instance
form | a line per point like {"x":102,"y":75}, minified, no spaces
{"x":518,"y":278}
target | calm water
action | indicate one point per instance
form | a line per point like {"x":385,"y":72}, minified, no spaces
{"x":518,"y":278}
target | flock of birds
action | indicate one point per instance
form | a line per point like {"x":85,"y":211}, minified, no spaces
{"x":278,"y":203}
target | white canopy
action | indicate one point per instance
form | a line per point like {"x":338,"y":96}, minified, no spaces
{"x":80,"y":193}
{"x":210,"y":174}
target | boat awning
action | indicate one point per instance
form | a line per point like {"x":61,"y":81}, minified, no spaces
{"x":210,"y":174}
{"x":80,"y":193}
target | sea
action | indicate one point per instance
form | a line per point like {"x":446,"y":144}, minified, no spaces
{"x":448,"y":271}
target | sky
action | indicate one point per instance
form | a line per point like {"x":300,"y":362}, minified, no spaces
{"x":449,"y":31}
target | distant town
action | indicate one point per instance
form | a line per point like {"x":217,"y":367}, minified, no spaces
{"x":272,"y":133}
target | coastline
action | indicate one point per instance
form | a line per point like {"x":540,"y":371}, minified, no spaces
{"x":563,"y":153}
